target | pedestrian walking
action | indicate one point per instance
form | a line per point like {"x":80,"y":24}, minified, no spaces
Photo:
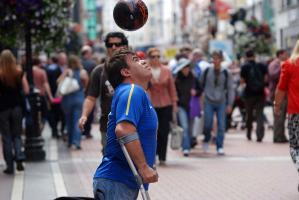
{"x":164,"y":98}
{"x":88,"y":64}
{"x":99,"y":86}
{"x":187,"y":86}
{"x":132,"y":121}
{"x":274,"y":70}
{"x":72,"y":103}
{"x":253,"y":75}
{"x":218,"y":91}
{"x":55,"y":113}
{"x":13,"y":86}
{"x":288,"y":86}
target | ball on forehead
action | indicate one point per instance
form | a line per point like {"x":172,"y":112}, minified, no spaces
{"x":130,"y":15}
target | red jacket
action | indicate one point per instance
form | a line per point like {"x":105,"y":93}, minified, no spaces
{"x":289,"y":82}
{"x":162,"y":91}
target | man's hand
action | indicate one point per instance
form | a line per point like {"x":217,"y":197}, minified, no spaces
{"x":82,"y":122}
{"x":148,"y":174}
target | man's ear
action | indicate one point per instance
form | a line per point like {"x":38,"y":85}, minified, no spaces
{"x":125,"y":72}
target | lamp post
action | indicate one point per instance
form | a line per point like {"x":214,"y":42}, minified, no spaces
{"x":34,"y":142}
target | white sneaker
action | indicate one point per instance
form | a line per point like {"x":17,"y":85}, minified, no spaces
{"x":186,"y":152}
{"x":220,"y":151}
{"x":205,"y":147}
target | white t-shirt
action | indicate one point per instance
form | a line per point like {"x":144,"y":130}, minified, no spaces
{"x":156,"y":73}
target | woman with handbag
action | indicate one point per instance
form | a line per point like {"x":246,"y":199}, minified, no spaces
{"x":187,"y":87}
{"x":12,"y":85}
{"x":72,"y":100}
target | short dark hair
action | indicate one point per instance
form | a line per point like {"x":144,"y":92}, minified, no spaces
{"x":217,"y":53}
{"x":115,"y":64}
{"x":279,"y":52}
{"x":249,"y":53}
{"x":119,"y":35}
{"x":36,"y":61}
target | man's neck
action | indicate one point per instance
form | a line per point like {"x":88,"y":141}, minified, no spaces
{"x":142,"y":84}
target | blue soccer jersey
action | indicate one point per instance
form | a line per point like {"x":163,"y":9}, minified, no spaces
{"x":130,"y":103}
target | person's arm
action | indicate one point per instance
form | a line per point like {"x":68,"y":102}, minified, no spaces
{"x":84,"y":78}
{"x":274,"y":71}
{"x":47,"y":86}
{"x":93,"y":91}
{"x":25,"y":85}
{"x":281,"y":89}
{"x":88,"y":105}
{"x":172,"y":92}
{"x":279,"y":97}
{"x":231,"y":92}
{"x":148,"y":174}
{"x":48,"y":91}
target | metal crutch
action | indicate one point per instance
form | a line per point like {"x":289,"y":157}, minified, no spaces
{"x":144,"y":193}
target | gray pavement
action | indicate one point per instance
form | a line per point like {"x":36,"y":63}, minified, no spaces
{"x":248,"y":171}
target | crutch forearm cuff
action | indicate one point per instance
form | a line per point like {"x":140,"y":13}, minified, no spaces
{"x":128,"y":138}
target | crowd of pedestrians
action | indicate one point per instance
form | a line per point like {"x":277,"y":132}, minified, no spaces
{"x":187,"y":90}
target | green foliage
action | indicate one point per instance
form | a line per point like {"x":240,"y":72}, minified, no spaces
{"x":256,"y":36}
{"x":48,"y":21}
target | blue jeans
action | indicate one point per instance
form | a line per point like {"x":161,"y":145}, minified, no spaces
{"x":104,"y":189}
{"x":72,"y":111}
{"x":184,"y":122}
{"x":209,"y":110}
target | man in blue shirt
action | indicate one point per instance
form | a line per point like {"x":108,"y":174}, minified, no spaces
{"x":131,"y":116}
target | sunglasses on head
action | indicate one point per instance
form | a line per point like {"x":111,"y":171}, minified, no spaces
{"x":154,"y":56}
{"x":109,"y":45}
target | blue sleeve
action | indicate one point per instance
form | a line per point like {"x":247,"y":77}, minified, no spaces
{"x":130,"y":105}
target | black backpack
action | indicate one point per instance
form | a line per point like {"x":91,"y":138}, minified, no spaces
{"x":255,"y":78}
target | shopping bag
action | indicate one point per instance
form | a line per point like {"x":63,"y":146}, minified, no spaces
{"x":197,"y":128}
{"x":176,"y":133}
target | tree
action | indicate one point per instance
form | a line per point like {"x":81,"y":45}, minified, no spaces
{"x":251,"y":34}
{"x":46,"y":19}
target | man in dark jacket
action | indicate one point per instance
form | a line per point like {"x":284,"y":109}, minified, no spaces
{"x":254,"y":74}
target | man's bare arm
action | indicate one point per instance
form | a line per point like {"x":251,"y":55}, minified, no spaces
{"x":279,"y":97}
{"x":148,"y":174}
{"x":88,"y":105}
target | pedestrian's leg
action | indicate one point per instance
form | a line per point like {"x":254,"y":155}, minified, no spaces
{"x":249,"y":117}
{"x":260,"y":129}
{"x":52,"y":121}
{"x":61,"y":118}
{"x":293,"y":126}
{"x":6,"y":141}
{"x":69,"y":127}
{"x":159,"y":134}
{"x":279,"y":124}
{"x":165,"y":127}
{"x":208,"y":121}
{"x":77,"y":111}
{"x":183,"y":119}
{"x":16,"y":130}
{"x":220,"y":113}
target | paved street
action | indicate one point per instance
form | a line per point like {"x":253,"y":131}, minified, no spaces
{"x":249,"y":171}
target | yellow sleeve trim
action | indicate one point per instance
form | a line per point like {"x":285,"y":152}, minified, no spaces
{"x":129,"y":99}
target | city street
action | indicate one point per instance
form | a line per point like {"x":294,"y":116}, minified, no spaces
{"x":249,"y":171}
